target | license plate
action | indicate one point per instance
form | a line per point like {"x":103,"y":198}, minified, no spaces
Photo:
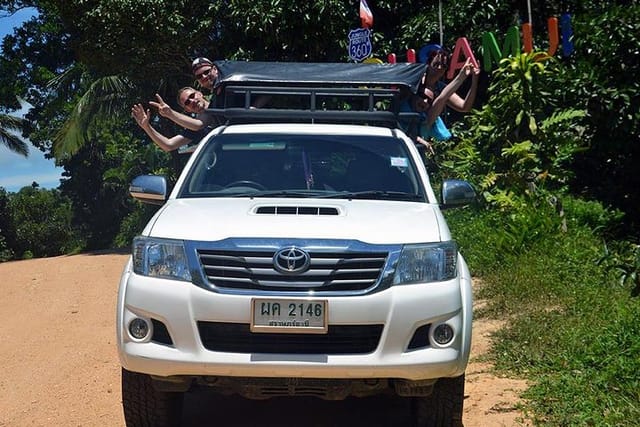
{"x":289,"y":315}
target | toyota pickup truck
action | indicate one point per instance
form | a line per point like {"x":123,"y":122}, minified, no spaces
{"x":301,"y":252}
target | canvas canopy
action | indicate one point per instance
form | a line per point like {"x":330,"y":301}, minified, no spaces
{"x":403,"y":75}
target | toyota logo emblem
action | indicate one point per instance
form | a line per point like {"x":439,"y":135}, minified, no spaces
{"x":291,"y":260}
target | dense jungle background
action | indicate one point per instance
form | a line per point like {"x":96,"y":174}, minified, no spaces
{"x":82,"y":64}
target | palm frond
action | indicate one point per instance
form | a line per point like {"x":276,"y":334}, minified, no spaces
{"x":66,"y":83}
{"x":8,"y":126}
{"x":105,"y":97}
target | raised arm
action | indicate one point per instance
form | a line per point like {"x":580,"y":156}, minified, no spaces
{"x":449,"y":91}
{"x":456,"y":101}
{"x":180,"y":119}
{"x":142,"y":117}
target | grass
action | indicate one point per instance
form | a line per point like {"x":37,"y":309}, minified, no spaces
{"x":573,"y":331}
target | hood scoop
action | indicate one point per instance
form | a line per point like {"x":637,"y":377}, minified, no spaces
{"x":297,"y":210}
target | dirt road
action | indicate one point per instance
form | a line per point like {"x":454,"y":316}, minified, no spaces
{"x":60,"y":365}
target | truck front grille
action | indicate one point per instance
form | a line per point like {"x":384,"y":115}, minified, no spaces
{"x":328,"y":271}
{"x":340,"y":339}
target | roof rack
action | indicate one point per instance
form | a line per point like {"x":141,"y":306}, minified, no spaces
{"x":363,"y":105}
{"x":316,"y":92}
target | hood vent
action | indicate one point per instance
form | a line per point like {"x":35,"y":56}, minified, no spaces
{"x":297,"y":210}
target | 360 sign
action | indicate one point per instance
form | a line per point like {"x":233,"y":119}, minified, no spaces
{"x":360,"y":46}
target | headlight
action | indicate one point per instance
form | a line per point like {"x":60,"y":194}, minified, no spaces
{"x":427,"y":263}
{"x":160,"y":258}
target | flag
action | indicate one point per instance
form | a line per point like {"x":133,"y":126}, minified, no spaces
{"x":366,"y":17}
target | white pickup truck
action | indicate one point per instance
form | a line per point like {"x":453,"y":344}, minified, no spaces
{"x":301,"y":252}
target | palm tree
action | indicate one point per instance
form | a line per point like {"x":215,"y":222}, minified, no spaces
{"x":8,"y":126}
{"x":99,"y":99}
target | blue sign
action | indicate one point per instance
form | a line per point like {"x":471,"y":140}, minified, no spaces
{"x":360,"y":44}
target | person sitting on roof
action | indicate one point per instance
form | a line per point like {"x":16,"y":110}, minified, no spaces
{"x":205,"y":72}
{"x":192,"y":101}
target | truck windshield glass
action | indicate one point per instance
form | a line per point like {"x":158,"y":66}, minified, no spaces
{"x":273,"y":165}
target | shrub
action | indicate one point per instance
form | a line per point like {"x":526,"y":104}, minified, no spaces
{"x":518,"y":143}
{"x":43,"y":225}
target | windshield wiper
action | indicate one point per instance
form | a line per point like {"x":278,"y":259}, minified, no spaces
{"x":373,"y":194}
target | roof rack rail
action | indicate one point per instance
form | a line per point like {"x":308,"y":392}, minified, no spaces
{"x":315,"y":94}
{"x":315,"y":104}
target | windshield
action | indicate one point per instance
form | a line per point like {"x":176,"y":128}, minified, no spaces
{"x":287,"y":165}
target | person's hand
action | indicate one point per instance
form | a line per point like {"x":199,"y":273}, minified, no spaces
{"x":140,"y":115}
{"x":467,"y":68}
{"x":426,"y":143}
{"x":465,"y":71}
{"x":475,"y":71}
{"x":163,"y":108}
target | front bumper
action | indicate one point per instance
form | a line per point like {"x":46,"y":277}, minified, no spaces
{"x":402,"y":310}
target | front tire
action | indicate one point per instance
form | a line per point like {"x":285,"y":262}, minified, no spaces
{"x":443,"y":408}
{"x":144,"y":406}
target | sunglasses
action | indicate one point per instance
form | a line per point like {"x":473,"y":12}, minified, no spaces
{"x":190,"y":99}
{"x":203,"y":74}
{"x":439,"y":58}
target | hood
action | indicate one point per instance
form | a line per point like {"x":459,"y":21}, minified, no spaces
{"x":370,"y":221}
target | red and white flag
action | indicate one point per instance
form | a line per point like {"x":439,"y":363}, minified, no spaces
{"x":366,"y":17}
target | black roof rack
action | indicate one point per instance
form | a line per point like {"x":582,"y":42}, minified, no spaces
{"x":317,"y":93}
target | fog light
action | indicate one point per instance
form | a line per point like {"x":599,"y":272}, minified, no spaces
{"x":443,"y":334}
{"x":139,"y":328}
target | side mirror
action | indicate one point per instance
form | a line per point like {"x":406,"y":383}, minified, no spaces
{"x":149,"y":189}
{"x":457,"y":193}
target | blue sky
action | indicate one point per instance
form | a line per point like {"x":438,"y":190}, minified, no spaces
{"x":17,"y":171}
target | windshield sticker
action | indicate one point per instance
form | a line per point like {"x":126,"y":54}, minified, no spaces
{"x":401,"y":162}
{"x":255,"y":146}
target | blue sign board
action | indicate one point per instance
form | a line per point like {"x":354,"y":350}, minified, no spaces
{"x":360,"y":44}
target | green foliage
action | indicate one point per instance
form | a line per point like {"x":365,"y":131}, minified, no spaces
{"x":6,"y":227}
{"x":99,"y":186}
{"x":133,"y":224}
{"x":593,"y":215}
{"x":624,"y":261}
{"x":601,"y":78}
{"x":9,"y":125}
{"x":104,"y":99}
{"x":573,"y":329}
{"x":288,"y":30}
{"x":5,"y":253}
{"x":43,"y":223}
{"x":518,"y":143}
{"x":582,"y":359}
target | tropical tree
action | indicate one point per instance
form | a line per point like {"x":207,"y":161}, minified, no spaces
{"x":35,"y":236}
{"x":6,"y":227}
{"x":98,"y":101}
{"x":601,"y":78}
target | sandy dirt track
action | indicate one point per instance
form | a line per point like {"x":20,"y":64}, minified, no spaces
{"x":60,"y":366}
